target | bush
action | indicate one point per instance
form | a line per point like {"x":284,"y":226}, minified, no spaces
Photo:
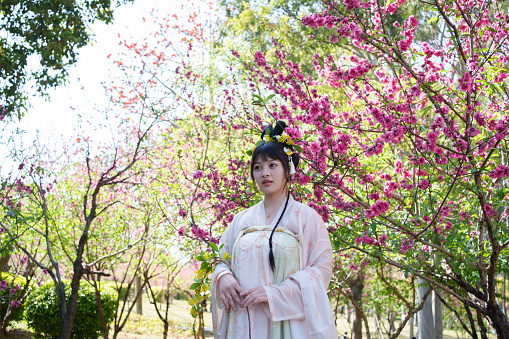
{"x":43,"y":315}
{"x":19,"y":284}
{"x":120,"y":288}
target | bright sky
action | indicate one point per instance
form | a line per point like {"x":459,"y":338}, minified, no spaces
{"x":54,"y":118}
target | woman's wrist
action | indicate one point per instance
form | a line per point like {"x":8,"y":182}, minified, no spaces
{"x":222,"y":274}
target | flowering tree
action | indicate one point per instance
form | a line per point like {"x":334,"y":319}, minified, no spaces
{"x":411,"y":172}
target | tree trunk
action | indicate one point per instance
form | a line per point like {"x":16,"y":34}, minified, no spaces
{"x":165,"y":330}
{"x":69,"y":310}
{"x":4,"y":263}
{"x":503,"y":295}
{"x":437,"y":315}
{"x":104,"y":327}
{"x":356,"y":285}
{"x":499,"y":322}
{"x":411,"y":322}
{"x":426,"y":320}
{"x":392,"y":318}
{"x":139,"y":301}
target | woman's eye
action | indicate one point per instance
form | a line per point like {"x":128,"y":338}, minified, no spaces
{"x":257,"y":167}
{"x":273,"y":165}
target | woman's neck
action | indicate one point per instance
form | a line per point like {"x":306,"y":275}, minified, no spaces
{"x":274,"y":201}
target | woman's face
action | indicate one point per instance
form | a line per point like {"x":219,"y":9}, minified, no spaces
{"x":269,"y":176}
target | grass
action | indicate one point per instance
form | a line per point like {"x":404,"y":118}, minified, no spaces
{"x":148,"y":325}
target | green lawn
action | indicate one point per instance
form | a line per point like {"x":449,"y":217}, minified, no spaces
{"x":148,"y":326}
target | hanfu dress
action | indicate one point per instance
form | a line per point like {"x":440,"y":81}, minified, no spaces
{"x":298,"y":306}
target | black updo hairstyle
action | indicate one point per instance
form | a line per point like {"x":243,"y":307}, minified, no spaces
{"x":275,"y":151}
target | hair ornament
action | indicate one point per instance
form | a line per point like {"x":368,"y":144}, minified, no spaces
{"x":288,"y":151}
{"x":292,"y":166}
{"x":284,"y":139}
{"x":276,"y":134}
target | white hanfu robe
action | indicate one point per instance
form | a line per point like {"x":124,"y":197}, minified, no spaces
{"x":298,"y":306}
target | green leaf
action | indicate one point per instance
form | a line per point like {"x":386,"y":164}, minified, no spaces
{"x":432,"y":20}
{"x":298,"y":148}
{"x":194,"y":286}
{"x":213,"y":246}
{"x":269,"y":97}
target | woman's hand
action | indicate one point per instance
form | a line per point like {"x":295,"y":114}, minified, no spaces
{"x":229,"y":289}
{"x":254,"y":296}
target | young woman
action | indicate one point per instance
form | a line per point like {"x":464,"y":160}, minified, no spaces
{"x":281,"y":258}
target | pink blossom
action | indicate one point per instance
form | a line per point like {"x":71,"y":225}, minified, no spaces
{"x":500,"y":172}
{"x":392,"y":8}
{"x":260,"y":59}
{"x":182,"y":231}
{"x":197,"y":175}
{"x":351,"y":4}
{"x":423,"y":184}
{"x":500,"y":77}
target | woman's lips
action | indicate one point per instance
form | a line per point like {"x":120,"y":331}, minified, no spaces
{"x":266,"y":183}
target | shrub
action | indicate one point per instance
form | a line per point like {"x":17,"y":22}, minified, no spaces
{"x":9,"y":282}
{"x":43,"y":315}
{"x":120,"y":288}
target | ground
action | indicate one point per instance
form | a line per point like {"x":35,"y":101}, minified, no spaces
{"x":148,"y":326}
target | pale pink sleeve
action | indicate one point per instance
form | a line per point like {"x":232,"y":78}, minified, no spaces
{"x":304,"y":294}
{"x":220,"y":317}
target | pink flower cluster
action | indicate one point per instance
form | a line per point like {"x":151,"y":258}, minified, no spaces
{"x":377,"y":208}
{"x":365,"y":239}
{"x":317,"y":20}
{"x":199,"y":233}
{"x":406,"y":245}
{"x":500,"y":172}
{"x":408,"y":32}
{"x":15,"y":303}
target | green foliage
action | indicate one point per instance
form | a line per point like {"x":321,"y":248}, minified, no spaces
{"x":119,"y":287}
{"x":201,"y":284}
{"x":13,"y":282}
{"x":43,"y":315}
{"x":50,"y":30}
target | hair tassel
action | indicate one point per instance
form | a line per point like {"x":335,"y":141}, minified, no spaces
{"x":292,"y":166}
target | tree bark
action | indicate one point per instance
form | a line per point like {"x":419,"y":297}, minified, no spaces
{"x":437,"y":315}
{"x":356,"y":285}
{"x":426,"y":321}
{"x":165,"y":330}
{"x":104,"y":327}
{"x":139,"y":301}
{"x":499,"y":322}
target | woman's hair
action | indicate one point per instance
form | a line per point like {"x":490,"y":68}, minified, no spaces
{"x":275,"y":151}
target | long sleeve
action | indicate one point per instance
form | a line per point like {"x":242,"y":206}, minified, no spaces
{"x":304,"y":293}
{"x":219,"y":316}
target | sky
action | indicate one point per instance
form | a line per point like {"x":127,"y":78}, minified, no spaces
{"x":62,"y":117}
{"x":59,"y":116}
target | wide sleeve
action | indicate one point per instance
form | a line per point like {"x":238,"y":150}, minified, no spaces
{"x":219,"y":316}
{"x":304,"y":293}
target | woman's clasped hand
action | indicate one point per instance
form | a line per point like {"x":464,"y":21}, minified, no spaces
{"x":230,"y":290}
